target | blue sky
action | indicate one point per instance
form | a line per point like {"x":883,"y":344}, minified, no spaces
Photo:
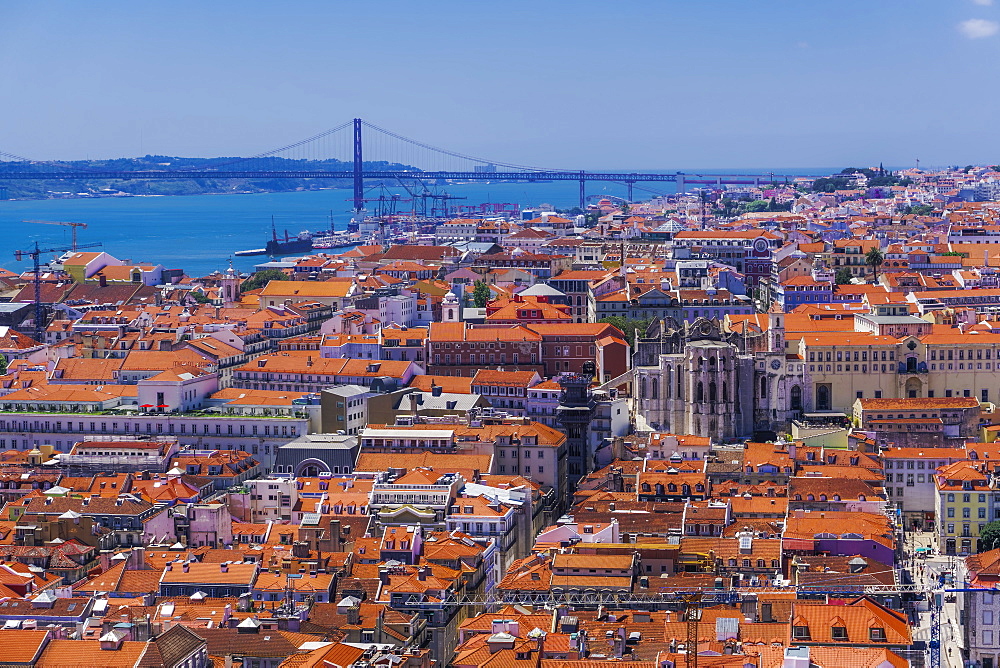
{"x":636,"y":85}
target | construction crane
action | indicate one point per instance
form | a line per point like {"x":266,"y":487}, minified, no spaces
{"x":692,"y":607}
{"x":57,"y":222}
{"x":34,"y":255}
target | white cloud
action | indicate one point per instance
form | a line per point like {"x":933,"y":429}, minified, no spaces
{"x":978,"y":28}
{"x":983,"y":3}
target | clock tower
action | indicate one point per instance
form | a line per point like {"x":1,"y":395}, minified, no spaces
{"x":757,"y":262}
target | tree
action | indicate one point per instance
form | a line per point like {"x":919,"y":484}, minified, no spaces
{"x":989,"y":536}
{"x":830,"y":184}
{"x":261,"y":278}
{"x":918,"y":210}
{"x":843,"y":276}
{"x":625,"y":208}
{"x":627,"y":326}
{"x":481,"y":293}
{"x":874,"y":259}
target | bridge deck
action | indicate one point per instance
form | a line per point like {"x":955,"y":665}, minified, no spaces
{"x":623,"y":177}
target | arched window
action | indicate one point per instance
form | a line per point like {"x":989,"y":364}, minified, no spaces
{"x":642,"y":387}
{"x":667,"y":391}
{"x":796,"y":398}
{"x":712,"y":395}
{"x":823,"y":397}
{"x":680,"y":384}
{"x":699,"y":395}
{"x":725,"y":391}
{"x":763,"y":387}
{"x":655,"y":387}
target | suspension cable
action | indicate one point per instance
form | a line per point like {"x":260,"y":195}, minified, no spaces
{"x":455,"y":154}
{"x":266,"y":154}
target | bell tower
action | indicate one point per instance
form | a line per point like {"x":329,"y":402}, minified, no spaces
{"x":229,"y":287}
{"x":451,"y":308}
{"x":775,"y":329}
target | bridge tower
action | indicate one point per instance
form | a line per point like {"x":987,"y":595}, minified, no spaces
{"x":359,"y":177}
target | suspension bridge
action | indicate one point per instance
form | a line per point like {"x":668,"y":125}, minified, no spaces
{"x":348,"y":152}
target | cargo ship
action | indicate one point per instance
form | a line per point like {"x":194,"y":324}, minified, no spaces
{"x":289,"y":245}
{"x":276,"y":245}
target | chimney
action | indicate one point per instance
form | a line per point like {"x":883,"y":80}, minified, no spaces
{"x":436,"y":390}
{"x":422,"y":572}
{"x":185,"y":567}
{"x":224,"y":567}
{"x":354,"y":614}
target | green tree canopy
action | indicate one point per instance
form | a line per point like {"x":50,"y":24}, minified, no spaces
{"x":627,"y":326}
{"x":481,"y":293}
{"x":874,"y":258}
{"x":261,"y":278}
{"x":989,"y":536}
{"x":918,"y":210}
{"x":843,"y":276}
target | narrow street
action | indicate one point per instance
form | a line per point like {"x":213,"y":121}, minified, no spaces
{"x":926,"y":573}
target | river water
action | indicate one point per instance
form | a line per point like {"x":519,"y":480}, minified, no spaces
{"x":199,"y":233}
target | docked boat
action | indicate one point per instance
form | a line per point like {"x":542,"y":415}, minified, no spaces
{"x":336,"y":240}
{"x":287,"y":245}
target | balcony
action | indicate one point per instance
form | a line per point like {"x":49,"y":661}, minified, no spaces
{"x":904,"y":368}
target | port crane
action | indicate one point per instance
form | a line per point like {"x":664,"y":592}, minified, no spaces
{"x":58,"y":222}
{"x":34,"y":255}
{"x":387,"y":202}
{"x":425,"y":194}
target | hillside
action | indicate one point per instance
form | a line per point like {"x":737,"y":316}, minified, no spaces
{"x":50,"y":188}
